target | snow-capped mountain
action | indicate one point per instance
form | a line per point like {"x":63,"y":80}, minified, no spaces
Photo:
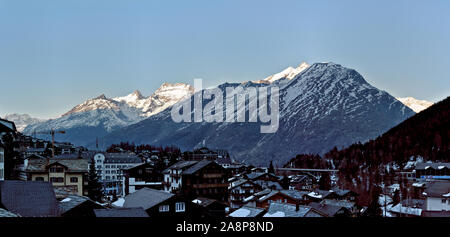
{"x":325,"y":105}
{"x":415,"y":104}
{"x":22,"y":120}
{"x":100,"y":115}
{"x":287,"y":73}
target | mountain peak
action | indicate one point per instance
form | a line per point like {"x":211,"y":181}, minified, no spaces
{"x":102,"y":96}
{"x":415,"y":104}
{"x":137,"y":93}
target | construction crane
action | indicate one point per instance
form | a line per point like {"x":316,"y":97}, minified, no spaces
{"x":52,"y":132}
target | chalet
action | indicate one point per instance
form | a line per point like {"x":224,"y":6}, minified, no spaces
{"x":141,"y":176}
{"x":241,"y":189}
{"x":437,"y":196}
{"x":121,"y":212}
{"x":433,"y":171}
{"x":28,"y":198}
{"x":68,"y":175}
{"x":248,"y":211}
{"x":301,"y":182}
{"x":291,"y":210}
{"x":158,"y":203}
{"x":207,"y":179}
{"x":172,"y":175}
{"x":78,"y":206}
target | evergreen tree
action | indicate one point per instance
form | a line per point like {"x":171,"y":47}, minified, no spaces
{"x":271,"y":169}
{"x":285,"y":182}
{"x":374,"y":208}
{"x":325,"y":181}
{"x":95,"y":189}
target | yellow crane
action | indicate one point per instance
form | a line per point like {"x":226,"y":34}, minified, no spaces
{"x":52,"y":132}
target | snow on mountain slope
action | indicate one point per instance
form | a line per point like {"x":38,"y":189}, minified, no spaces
{"x":22,"y":120}
{"x":415,"y":104}
{"x":100,"y":115}
{"x":287,"y":73}
{"x":325,"y":105}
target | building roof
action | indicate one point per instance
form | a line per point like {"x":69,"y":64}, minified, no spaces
{"x":198,"y":166}
{"x":29,"y":198}
{"x":287,"y":210}
{"x":6,"y":125}
{"x":438,"y":189}
{"x":294,"y":193}
{"x":436,"y":166}
{"x":146,"y":198}
{"x":204,"y":202}
{"x":121,"y":212}
{"x":328,"y":210}
{"x":71,"y":202}
{"x":181,"y":165}
{"x":268,"y":184}
{"x":255,"y":175}
{"x":343,"y":203}
{"x":247,"y":211}
{"x":5,"y":213}
{"x":73,"y":165}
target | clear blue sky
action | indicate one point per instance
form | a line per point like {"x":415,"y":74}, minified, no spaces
{"x":56,"y":54}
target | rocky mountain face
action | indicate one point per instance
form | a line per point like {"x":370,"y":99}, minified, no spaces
{"x":101,"y":115}
{"x":322,"y":106}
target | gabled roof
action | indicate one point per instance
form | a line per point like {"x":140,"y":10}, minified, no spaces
{"x":181,"y":165}
{"x":247,"y":211}
{"x":71,"y":202}
{"x":121,"y":212}
{"x":73,"y":165}
{"x":198,"y":166}
{"x":288,"y":210}
{"x":294,"y":193}
{"x":146,"y":198}
{"x":328,"y":210}
{"x":29,"y":198}
{"x":6,"y":125}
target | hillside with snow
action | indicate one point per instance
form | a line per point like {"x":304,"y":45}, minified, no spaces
{"x":99,"y":116}
{"x":323,"y":106}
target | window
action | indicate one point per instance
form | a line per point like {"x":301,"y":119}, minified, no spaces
{"x":443,"y":200}
{"x":74,"y":180}
{"x":164,"y":208}
{"x":1,"y":174}
{"x":56,"y":170}
{"x":39,"y":179}
{"x":57,"y":180}
{"x":179,"y":207}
